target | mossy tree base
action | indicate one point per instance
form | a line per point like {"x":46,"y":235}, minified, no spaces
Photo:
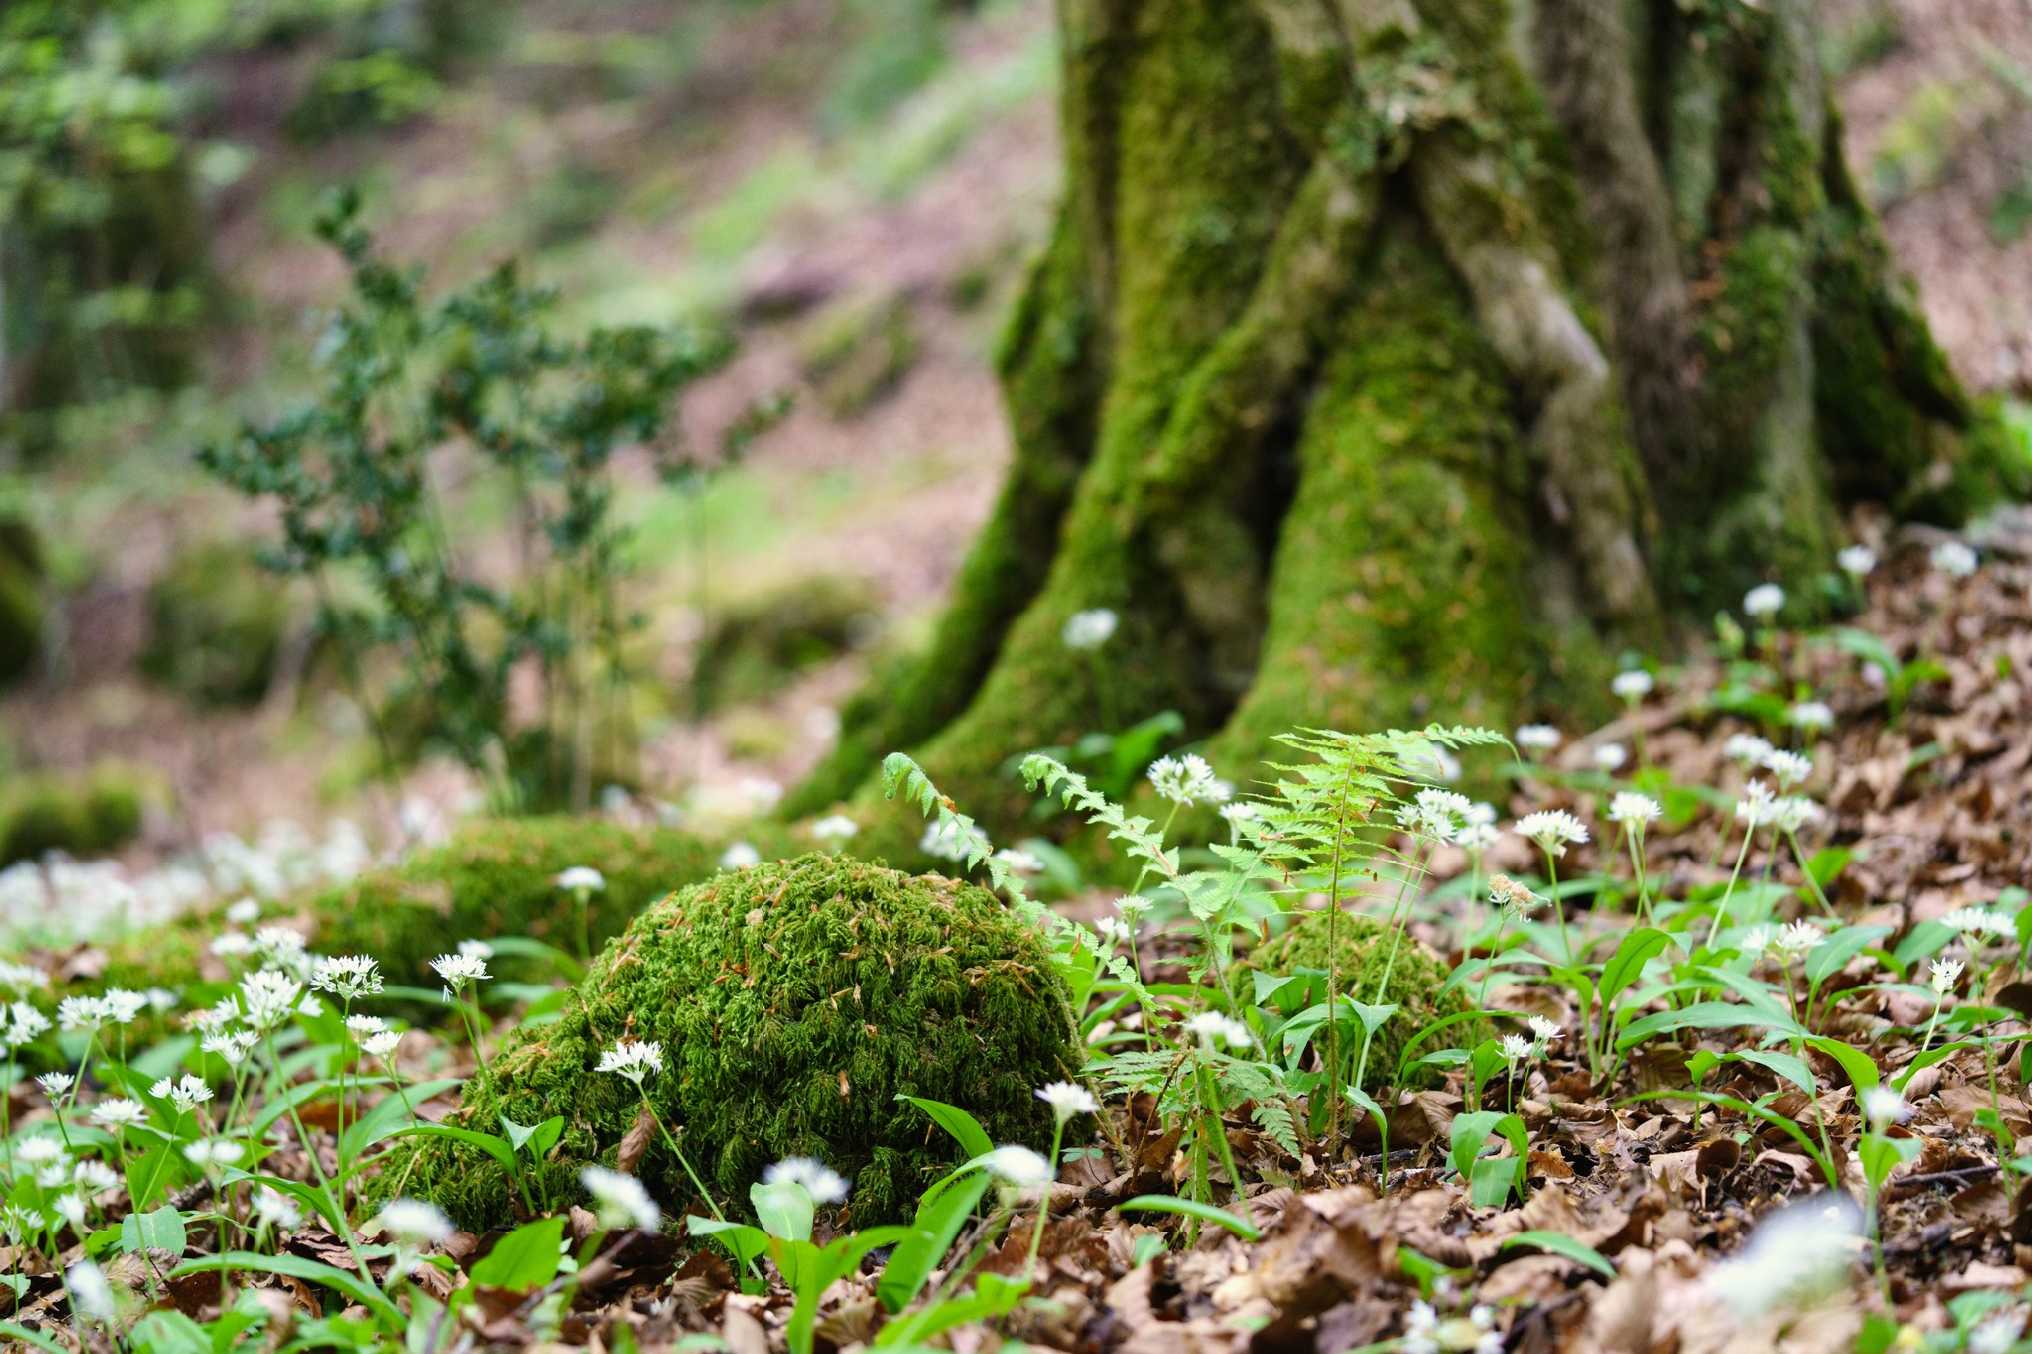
{"x":1396,"y":360}
{"x":794,"y":1003}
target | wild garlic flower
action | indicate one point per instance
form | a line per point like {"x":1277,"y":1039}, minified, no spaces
{"x":1212,"y":1027}
{"x":1477,"y":837}
{"x":1430,"y":761}
{"x":1240,"y":811}
{"x":1425,"y":1333}
{"x":273,"y":1208}
{"x":1973,"y":922}
{"x":1610,"y":756}
{"x":1088,"y":629}
{"x":1790,"y":813}
{"x":1883,"y":1107}
{"x":824,"y":1184}
{"x":1754,"y":808}
{"x":1798,"y":938}
{"x":580,"y":879}
{"x":122,"y":1005}
{"x":459,"y":970}
{"x":1434,"y":814}
{"x":39,"y":1150}
{"x":91,"y":1292}
{"x":1548,"y":1031}
{"x":233,"y":1047}
{"x":1022,"y":862}
{"x":1764,"y":601}
{"x":1517,"y":1048}
{"x":381,"y":1045}
{"x":244,"y":913}
{"x":1512,"y":896}
{"x":81,"y":1013}
{"x":634,"y":1059}
{"x":1796,"y":1256}
{"x":1634,"y":811}
{"x":1944,"y":974}
{"x":1997,"y":1333}
{"x":232,"y":945}
{"x":56,"y":1085}
{"x":1788,"y":768}
{"x":1810,"y":716}
{"x":1747,"y":748}
{"x":70,"y":1208}
{"x":1953,"y":559}
{"x":1552,"y":830}
{"x":1112,"y":930}
{"x":25,"y":1024}
{"x":1632,"y":684}
{"x":415,"y":1223}
{"x":834,"y":828}
{"x":360,"y":1026}
{"x":268,"y":997}
{"x":740,"y":856}
{"x":94,"y":1177}
{"x":1067,"y":1099}
{"x":1184,"y":780}
{"x":119,"y":1113}
{"x":1857,"y":561}
{"x":619,"y":1199}
{"x":1019,"y":1166}
{"x":1539,"y":737}
{"x":186,"y":1095}
{"x":208,"y":1152}
{"x":348,"y":977}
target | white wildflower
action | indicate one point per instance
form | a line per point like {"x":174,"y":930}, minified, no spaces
{"x":39,"y":1151}
{"x":91,"y":1292}
{"x":119,"y":1113}
{"x":1810,"y":716}
{"x":123,"y":1004}
{"x":1067,"y":1099}
{"x":1516,"y":1047}
{"x":1972,"y":922}
{"x":1798,"y":938}
{"x":1953,"y":559}
{"x":620,"y":1200}
{"x":740,"y":856}
{"x":1089,"y":629}
{"x":834,"y":829}
{"x":268,"y":997}
{"x":1788,"y":768}
{"x":1944,"y":974}
{"x":1183,"y":780}
{"x":348,"y":977}
{"x":415,"y":1223}
{"x":214,"y":1152}
{"x":244,"y":913}
{"x":1019,"y":1166}
{"x":1022,"y":862}
{"x":1764,"y":600}
{"x":1793,"y":812}
{"x":80,"y":1013}
{"x":1538,"y":737}
{"x":1747,"y":748}
{"x":1610,"y":756}
{"x":71,"y":1209}
{"x":1477,"y":837}
{"x":1883,"y":1107}
{"x":1212,"y":1027}
{"x":56,"y":1084}
{"x":272,"y":1208}
{"x":820,"y":1181}
{"x":94,"y":1177}
{"x":457,"y":970}
{"x":1633,"y":811}
{"x":1548,"y":1031}
{"x":381,"y":1045}
{"x":1512,"y":896}
{"x":1632,"y":684}
{"x":634,"y":1059}
{"x":1857,"y":561}
{"x":1552,"y":830}
{"x":1796,"y":1256}
{"x":186,"y":1094}
{"x":581,"y":879}
{"x":1754,"y":808}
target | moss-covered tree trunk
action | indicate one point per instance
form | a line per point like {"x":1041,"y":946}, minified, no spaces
{"x":1396,"y":360}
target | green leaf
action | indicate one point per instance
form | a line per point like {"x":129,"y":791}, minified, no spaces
{"x":169,"y":1332}
{"x":1861,"y":1068}
{"x":1627,"y":964}
{"x":311,"y":1271}
{"x":941,"y":1213}
{"x":494,"y":1147}
{"x":161,"y":1230}
{"x":1191,"y":1208}
{"x":1702,"y":1015}
{"x":1785,"y":1065}
{"x":526,"y":1258}
{"x":39,"y":1339}
{"x":973,"y":1139}
{"x":1831,"y":955}
{"x":1561,"y":1244}
{"x":389,"y":1114}
{"x":785,"y":1209}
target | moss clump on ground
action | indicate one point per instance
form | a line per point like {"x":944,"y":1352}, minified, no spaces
{"x":494,"y":877}
{"x":215,"y":626}
{"x":86,"y":815}
{"x":855,"y":352}
{"x":22,"y":609}
{"x":794,"y":1002}
{"x":1417,"y":981}
{"x":756,"y":648}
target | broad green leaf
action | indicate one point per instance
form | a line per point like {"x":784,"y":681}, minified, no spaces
{"x":40,"y":1339}
{"x":973,"y":1139}
{"x":1627,"y":964}
{"x":1785,"y":1065}
{"x":169,"y":1332}
{"x":161,"y":1230}
{"x":941,"y":1213}
{"x":526,"y":1258}
{"x":389,"y":1114}
{"x":1861,"y":1068}
{"x":1191,"y":1208}
{"x":1561,"y":1244}
{"x":1702,"y":1015}
{"x":784,"y":1207}
{"x":494,"y":1147}
{"x":1833,"y":954}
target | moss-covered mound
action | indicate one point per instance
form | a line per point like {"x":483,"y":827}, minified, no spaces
{"x":494,"y":877}
{"x":215,"y":625}
{"x":87,"y":815}
{"x":1364,"y":945}
{"x":794,"y":1002}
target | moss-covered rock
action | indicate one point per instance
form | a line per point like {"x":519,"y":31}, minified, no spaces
{"x":87,"y":815}
{"x":794,"y":1002}
{"x":494,"y":877}
{"x":215,"y":625}
{"x":756,"y":647}
{"x":1416,"y":987}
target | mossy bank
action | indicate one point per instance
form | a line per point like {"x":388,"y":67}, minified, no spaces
{"x":794,"y":1002}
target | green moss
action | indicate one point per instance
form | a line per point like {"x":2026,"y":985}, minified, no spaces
{"x":758,"y":646}
{"x":215,"y":625}
{"x":793,"y":1002}
{"x":494,"y":877}
{"x":856,"y":351}
{"x":87,"y":815}
{"x":1363,"y":947}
